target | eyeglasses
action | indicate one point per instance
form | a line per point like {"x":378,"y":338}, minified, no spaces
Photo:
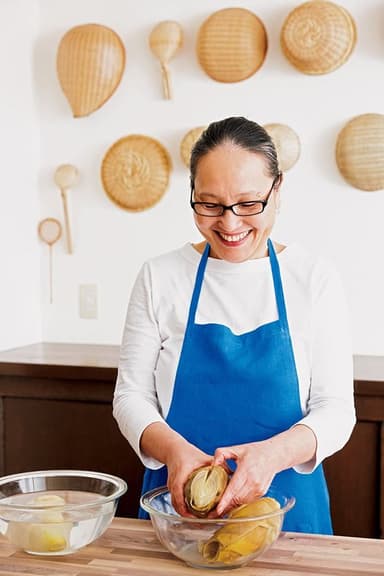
{"x":214,"y":210}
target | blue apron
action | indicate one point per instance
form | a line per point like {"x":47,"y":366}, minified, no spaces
{"x":233,"y":389}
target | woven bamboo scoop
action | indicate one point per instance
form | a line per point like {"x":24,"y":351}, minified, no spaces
{"x":165,"y":40}
{"x":65,"y":177}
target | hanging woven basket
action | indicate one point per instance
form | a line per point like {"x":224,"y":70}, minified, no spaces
{"x":188,"y":142}
{"x":360,"y":152}
{"x":231,"y":44}
{"x":135,"y":172}
{"x":90,"y":63}
{"x":318,"y":36}
{"x":287,"y":144}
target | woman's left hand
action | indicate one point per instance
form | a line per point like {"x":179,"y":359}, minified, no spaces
{"x":254,"y":473}
{"x":258,"y":462}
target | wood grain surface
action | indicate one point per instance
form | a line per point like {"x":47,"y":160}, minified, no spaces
{"x":130,"y":548}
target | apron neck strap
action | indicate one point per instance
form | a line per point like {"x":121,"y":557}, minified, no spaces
{"x":197,"y":287}
{"x":279,"y":295}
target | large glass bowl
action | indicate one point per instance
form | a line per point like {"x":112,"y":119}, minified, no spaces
{"x":221,"y":543}
{"x":55,"y":512}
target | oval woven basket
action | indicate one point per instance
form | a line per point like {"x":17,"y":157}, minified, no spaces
{"x":231,"y":45}
{"x":188,"y":142}
{"x":135,"y":172}
{"x":360,"y":152}
{"x":318,"y":36}
{"x":287,"y":144}
{"x":90,"y":63}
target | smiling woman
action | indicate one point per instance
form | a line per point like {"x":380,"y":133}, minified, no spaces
{"x":236,"y":349}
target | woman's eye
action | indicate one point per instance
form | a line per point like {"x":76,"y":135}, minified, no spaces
{"x":209,"y":205}
{"x":249,"y":204}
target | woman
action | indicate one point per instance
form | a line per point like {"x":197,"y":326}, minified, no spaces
{"x":236,"y":348}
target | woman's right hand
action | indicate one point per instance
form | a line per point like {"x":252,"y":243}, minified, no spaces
{"x":182,"y":459}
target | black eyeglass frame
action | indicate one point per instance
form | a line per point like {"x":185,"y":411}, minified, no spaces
{"x":231,"y":207}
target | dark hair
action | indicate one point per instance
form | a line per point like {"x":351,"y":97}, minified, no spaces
{"x":240,"y":131}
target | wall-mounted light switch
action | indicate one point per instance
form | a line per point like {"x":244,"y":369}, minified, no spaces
{"x":88,"y":301}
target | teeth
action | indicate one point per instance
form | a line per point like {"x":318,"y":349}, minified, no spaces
{"x":234,"y":237}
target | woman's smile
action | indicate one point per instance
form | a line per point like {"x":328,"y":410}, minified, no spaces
{"x":233,"y":239}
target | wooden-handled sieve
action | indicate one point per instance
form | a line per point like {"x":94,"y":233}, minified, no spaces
{"x":49,"y":231}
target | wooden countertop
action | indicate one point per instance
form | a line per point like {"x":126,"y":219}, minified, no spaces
{"x":51,"y":359}
{"x":103,"y":359}
{"x":130,"y":548}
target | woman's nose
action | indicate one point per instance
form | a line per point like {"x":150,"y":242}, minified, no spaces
{"x":230,"y":219}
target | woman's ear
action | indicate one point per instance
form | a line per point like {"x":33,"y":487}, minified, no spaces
{"x":277,"y":193}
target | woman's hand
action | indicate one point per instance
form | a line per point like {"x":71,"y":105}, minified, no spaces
{"x":258,"y":462}
{"x":254,"y":473}
{"x":181,"y":461}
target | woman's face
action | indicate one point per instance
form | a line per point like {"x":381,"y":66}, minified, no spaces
{"x":226,"y":175}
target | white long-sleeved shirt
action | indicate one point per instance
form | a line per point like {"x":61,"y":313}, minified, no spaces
{"x":240,"y":296}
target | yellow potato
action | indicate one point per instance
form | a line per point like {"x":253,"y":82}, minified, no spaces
{"x":47,"y":533}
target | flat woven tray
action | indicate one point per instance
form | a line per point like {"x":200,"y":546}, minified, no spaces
{"x":318,"y":36}
{"x":188,"y":142}
{"x":135,"y":172}
{"x":231,"y":44}
{"x":360,"y":152}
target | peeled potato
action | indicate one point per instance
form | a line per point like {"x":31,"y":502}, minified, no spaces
{"x":48,"y":533}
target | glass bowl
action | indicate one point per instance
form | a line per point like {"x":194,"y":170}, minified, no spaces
{"x":56,"y":512}
{"x":219,"y":543}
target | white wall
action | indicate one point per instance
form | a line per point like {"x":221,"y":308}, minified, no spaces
{"x":319,"y":208}
{"x":20,"y":313}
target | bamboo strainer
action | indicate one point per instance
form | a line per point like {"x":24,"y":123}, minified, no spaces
{"x":232,"y":44}
{"x":135,"y":172}
{"x":287,"y":144}
{"x":360,"y":152}
{"x":90,"y":64}
{"x":49,"y":231}
{"x":188,"y":142}
{"x":165,"y":40}
{"x":318,"y":36}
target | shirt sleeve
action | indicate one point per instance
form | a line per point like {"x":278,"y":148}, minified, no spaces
{"x":135,"y":404}
{"x":330,"y":411}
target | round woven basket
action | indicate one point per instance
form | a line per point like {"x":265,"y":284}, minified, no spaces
{"x":318,"y":36}
{"x":360,"y":152}
{"x":90,"y":63}
{"x":287,"y":144}
{"x":135,"y":172}
{"x":231,"y":44}
{"x":188,"y":142}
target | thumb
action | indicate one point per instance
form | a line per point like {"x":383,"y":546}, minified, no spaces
{"x":223,"y":454}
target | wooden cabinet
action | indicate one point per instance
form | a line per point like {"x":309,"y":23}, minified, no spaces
{"x":355,"y":475}
{"x":56,"y":412}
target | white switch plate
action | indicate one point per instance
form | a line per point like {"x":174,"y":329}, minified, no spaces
{"x":88,"y":301}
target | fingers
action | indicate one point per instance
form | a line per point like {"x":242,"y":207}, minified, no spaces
{"x":250,"y":480}
{"x":178,"y":503}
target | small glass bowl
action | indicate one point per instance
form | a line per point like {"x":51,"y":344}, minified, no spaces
{"x":219,"y":543}
{"x":56,"y":512}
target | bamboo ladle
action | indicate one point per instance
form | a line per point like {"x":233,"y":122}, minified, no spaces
{"x":66,"y":175}
{"x":165,"y":40}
